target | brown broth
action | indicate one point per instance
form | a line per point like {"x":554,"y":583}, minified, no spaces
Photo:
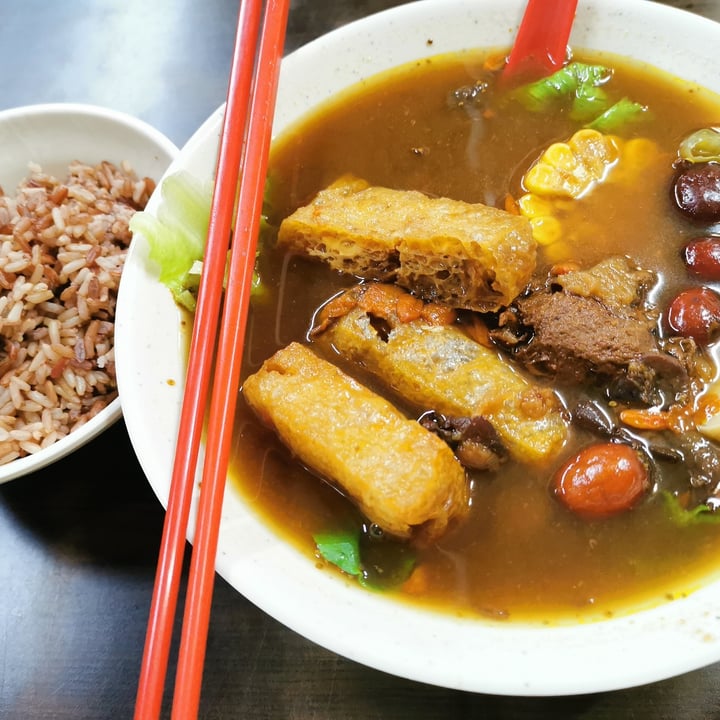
{"x":518,"y":554}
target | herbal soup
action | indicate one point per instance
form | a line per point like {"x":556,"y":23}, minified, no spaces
{"x":480,"y":366}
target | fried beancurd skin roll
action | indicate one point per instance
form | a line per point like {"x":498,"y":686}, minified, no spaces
{"x":442,"y":369}
{"x":468,"y":255}
{"x":403,"y":477}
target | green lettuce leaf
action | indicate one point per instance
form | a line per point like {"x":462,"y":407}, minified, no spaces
{"x":177,"y":235}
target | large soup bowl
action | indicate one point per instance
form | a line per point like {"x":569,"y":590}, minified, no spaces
{"x":468,"y":654}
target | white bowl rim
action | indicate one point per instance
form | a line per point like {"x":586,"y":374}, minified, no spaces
{"x":471,"y":655}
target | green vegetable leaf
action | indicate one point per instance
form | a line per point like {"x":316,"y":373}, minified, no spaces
{"x":575,"y":82}
{"x":341,"y":548}
{"x":689,"y":516}
{"x":376,"y":564}
{"x":581,"y":87}
{"x":394,"y":565}
{"x":589,"y":102}
{"x":176,"y":236}
{"x":620,"y":115}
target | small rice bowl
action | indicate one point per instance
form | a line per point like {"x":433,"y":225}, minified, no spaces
{"x":63,"y":240}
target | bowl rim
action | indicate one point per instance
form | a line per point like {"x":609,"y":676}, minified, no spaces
{"x":112,"y":412}
{"x":473,"y":655}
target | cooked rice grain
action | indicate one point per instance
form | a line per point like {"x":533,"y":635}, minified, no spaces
{"x":62,"y":248}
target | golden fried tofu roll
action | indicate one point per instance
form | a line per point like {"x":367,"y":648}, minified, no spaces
{"x":438,"y":367}
{"x":402,"y":476}
{"x":467,"y":255}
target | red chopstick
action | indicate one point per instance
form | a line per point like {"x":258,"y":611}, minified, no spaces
{"x":540,"y":46}
{"x":243,"y":142}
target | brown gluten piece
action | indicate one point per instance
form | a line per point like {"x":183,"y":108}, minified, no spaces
{"x":401,"y":475}
{"x":595,"y":327}
{"x":467,"y":255}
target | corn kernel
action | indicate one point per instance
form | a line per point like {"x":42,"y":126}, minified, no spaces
{"x":638,"y":155}
{"x":560,"y":156}
{"x":535,"y":206}
{"x":558,"y":252}
{"x":546,"y":230}
{"x":597,"y":152}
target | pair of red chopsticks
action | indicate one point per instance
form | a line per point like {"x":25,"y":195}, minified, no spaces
{"x":241,"y":168}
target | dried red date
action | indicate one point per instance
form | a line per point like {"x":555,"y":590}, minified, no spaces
{"x":702,"y":257}
{"x":601,"y":480}
{"x":697,"y":191}
{"x":695,"y":313}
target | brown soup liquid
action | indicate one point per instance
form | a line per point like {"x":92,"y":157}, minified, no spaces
{"x":518,"y":554}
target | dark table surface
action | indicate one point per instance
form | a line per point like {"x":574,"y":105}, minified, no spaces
{"x":78,"y":548}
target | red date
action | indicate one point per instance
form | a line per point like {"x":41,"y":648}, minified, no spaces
{"x":601,"y":480}
{"x":702,"y":257}
{"x":695,"y":313}
{"x":697,"y":191}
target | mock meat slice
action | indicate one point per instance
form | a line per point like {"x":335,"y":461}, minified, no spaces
{"x":402,"y":476}
{"x":574,"y":336}
{"x":593,"y":327}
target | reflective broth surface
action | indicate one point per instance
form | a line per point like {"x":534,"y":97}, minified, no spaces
{"x":519,"y":554}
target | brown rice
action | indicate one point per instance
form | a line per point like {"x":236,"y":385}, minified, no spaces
{"x":62,"y":248}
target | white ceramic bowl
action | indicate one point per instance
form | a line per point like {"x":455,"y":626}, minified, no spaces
{"x":469,"y":655}
{"x":52,"y":136}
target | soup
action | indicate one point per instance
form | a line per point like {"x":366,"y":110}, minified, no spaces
{"x":444,"y":128}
